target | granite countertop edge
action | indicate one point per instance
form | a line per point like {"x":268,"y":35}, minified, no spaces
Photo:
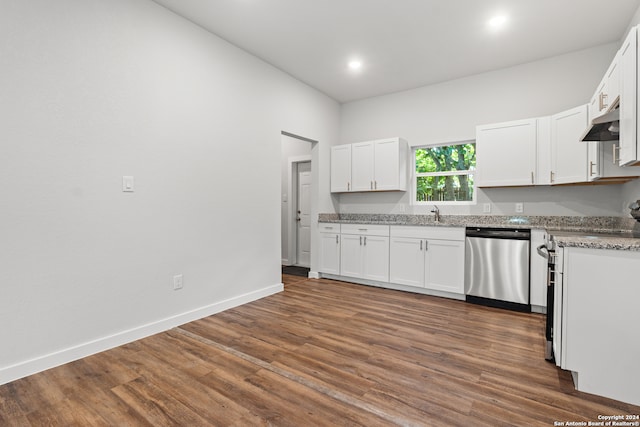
{"x":588,"y":225}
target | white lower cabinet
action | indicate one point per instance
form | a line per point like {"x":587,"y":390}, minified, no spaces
{"x":427,"y":257}
{"x":364,"y":252}
{"x":329,"y":248}
{"x":599,"y":321}
{"x":431,"y":258}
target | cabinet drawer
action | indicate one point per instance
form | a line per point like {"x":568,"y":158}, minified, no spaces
{"x":365,"y":229}
{"x":327,"y":227}
{"x":426,"y":232}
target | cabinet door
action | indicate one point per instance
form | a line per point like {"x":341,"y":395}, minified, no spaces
{"x":569,"y":151}
{"x":444,"y":265}
{"x":386,"y":169}
{"x":362,"y":166}
{"x":376,"y":258}
{"x":506,"y":153}
{"x":612,"y":88}
{"x":330,"y":253}
{"x":350,"y":255}
{"x":594,"y":156}
{"x":406,"y":261}
{"x":628,"y":99}
{"x":341,"y":168}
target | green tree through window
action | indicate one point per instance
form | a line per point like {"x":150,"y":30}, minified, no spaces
{"x":445,"y":173}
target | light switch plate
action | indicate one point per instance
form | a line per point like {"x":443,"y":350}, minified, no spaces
{"x":486,"y":208}
{"x":177,"y":282}
{"x":127,"y":184}
{"x":519,"y":207}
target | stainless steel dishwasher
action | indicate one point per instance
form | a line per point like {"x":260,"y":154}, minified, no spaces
{"x":497,"y":267}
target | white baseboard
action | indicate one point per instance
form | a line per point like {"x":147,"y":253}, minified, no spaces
{"x":51,"y":360}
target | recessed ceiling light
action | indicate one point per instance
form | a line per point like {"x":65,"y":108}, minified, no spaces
{"x":355,"y":65}
{"x":497,"y":22}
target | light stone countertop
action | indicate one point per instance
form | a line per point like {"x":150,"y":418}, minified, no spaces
{"x":614,"y":233}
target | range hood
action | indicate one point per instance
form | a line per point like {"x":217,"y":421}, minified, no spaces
{"x":604,"y":128}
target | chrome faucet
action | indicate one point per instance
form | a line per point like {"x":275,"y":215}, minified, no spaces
{"x":436,"y":211}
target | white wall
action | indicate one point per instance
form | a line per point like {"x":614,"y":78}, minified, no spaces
{"x":93,"y":90}
{"x":450,"y":111}
{"x":635,"y":20}
{"x":293,"y":149}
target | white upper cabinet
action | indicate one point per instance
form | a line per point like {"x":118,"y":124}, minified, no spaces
{"x":341,"y":168}
{"x":602,"y":166}
{"x":390,"y":164}
{"x":362,"y":166}
{"x":507,"y":154}
{"x":379,"y":165}
{"x":569,"y":153}
{"x":628,"y":100}
{"x":608,"y":93}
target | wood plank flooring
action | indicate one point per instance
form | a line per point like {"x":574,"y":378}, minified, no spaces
{"x":321,"y":353}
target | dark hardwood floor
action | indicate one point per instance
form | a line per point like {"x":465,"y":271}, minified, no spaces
{"x":319,"y":353}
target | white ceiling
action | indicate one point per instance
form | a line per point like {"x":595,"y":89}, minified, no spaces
{"x":404,"y":44}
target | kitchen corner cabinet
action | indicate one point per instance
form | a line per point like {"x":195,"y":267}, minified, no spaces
{"x":628,"y":64}
{"x":329,"y":248}
{"x":364,"y":252}
{"x":569,"y":153}
{"x":427,"y":257}
{"x":506,"y":153}
{"x":379,"y":165}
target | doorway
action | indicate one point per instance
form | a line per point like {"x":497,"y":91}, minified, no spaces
{"x":297,"y":184}
{"x":303,"y":214}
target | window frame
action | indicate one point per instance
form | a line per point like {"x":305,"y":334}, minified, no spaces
{"x":415,"y":175}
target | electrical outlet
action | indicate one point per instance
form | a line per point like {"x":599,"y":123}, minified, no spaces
{"x":519,"y":207}
{"x":401,"y":208}
{"x":486,"y":208}
{"x":177,"y":282}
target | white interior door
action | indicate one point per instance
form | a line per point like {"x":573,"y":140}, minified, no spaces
{"x":303,"y":216}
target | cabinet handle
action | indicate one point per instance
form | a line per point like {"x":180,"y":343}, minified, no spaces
{"x":615,"y":159}
{"x":371,"y":185}
{"x":360,"y":240}
{"x":375,"y":185}
{"x":603,"y":101}
{"x":600,"y":101}
{"x":348,"y":186}
{"x":365,"y":240}
{"x":337,"y":239}
{"x":426,"y":245}
{"x":551,"y":176}
{"x":532,"y":180}
{"x":590,"y":168}
{"x":420,"y":244}
{"x":362,"y":229}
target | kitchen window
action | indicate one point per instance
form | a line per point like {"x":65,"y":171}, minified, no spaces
{"x":444,"y":174}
